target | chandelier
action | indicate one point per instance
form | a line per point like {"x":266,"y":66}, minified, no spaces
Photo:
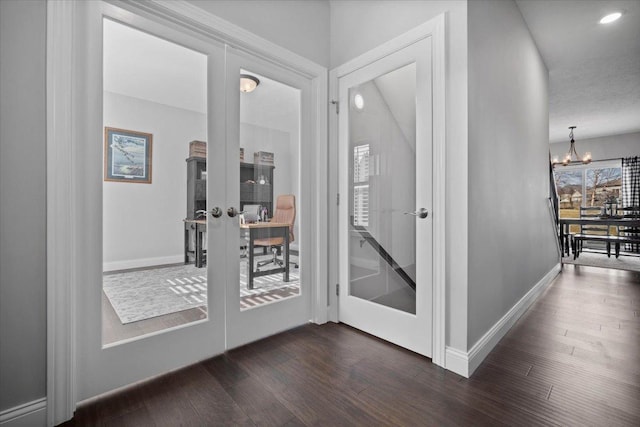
{"x":572,"y":153}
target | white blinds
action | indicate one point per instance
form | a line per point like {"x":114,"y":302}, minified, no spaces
{"x":361,"y":185}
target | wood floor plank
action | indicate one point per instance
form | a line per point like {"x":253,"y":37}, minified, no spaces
{"x":257,"y":401}
{"x":572,"y":359}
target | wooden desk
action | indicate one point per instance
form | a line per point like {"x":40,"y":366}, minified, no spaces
{"x":199,"y":227}
{"x":265,"y":230}
{"x":611,"y":222}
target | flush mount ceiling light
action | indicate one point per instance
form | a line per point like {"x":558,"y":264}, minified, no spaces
{"x":358,"y":101}
{"x":610,"y":18}
{"x":568,"y":158}
{"x":248,"y":83}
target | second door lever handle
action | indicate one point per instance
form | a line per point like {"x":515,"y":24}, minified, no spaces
{"x":420,"y":213}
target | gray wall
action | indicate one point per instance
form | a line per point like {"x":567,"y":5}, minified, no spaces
{"x":23,"y":268}
{"x":359,"y":26}
{"x":605,"y":147}
{"x":164,"y":200}
{"x":300,"y":26}
{"x":511,"y":240}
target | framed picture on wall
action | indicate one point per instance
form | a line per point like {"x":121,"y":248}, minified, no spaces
{"x":127,"y":155}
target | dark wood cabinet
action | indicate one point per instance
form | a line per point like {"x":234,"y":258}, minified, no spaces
{"x":196,"y":200}
{"x":196,"y":186}
{"x":252,"y":192}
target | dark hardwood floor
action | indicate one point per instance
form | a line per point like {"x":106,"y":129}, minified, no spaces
{"x":572,"y":359}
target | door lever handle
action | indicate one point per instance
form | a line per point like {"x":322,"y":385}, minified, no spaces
{"x":420,"y":213}
{"x":215,"y":212}
{"x":233,"y":212}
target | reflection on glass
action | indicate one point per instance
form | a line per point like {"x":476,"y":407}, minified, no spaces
{"x":269,"y":193}
{"x":154,"y":263}
{"x":382,"y":138}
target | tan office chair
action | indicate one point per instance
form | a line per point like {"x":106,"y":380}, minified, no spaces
{"x":285,"y":212}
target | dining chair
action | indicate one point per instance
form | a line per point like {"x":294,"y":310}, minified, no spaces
{"x":630,"y":212}
{"x":596,"y":230}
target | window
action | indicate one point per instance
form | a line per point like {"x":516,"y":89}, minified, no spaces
{"x":587,"y":185}
{"x":602,"y":184}
{"x":361,"y":185}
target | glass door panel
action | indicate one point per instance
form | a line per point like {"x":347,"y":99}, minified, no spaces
{"x":382,"y":148}
{"x":154,"y":106}
{"x":269,"y":190}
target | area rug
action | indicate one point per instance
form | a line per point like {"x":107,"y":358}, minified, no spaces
{"x":624,"y":262}
{"x":144,"y":294}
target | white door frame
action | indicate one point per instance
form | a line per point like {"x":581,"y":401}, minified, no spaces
{"x":434,"y":28}
{"x":62,"y":67}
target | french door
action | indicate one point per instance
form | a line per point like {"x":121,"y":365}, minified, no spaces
{"x":103,"y":366}
{"x":385,"y":212}
{"x":275,"y":121}
{"x":268,"y":290}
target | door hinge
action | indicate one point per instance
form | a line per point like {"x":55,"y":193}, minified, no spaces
{"x":338,"y":199}
{"x":337,"y":104}
{"x":337,"y":289}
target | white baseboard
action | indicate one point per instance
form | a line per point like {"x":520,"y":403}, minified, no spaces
{"x":31,"y":414}
{"x":457,"y":361}
{"x":369,"y":264}
{"x":465,"y":363}
{"x":143,"y":262}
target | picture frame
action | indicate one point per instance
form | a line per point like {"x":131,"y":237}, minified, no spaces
{"x":127,"y":155}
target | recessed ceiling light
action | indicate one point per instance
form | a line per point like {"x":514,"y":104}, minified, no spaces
{"x":610,"y":18}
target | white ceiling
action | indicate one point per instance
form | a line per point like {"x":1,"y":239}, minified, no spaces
{"x":271,"y":105}
{"x":143,"y":66}
{"x":594,"y":69}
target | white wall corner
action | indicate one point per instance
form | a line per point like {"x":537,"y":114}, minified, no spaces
{"x":30,"y":414}
{"x":465,"y":363}
{"x":457,"y":361}
{"x":61,"y":352}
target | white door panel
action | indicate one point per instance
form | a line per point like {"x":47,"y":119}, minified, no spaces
{"x":274,"y":119}
{"x":100,"y":367}
{"x":385,"y":158}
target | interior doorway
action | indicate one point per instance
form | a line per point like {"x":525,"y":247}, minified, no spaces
{"x":161,"y":193}
{"x":385,"y":171}
{"x":80,"y":366}
{"x":390,"y":146}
